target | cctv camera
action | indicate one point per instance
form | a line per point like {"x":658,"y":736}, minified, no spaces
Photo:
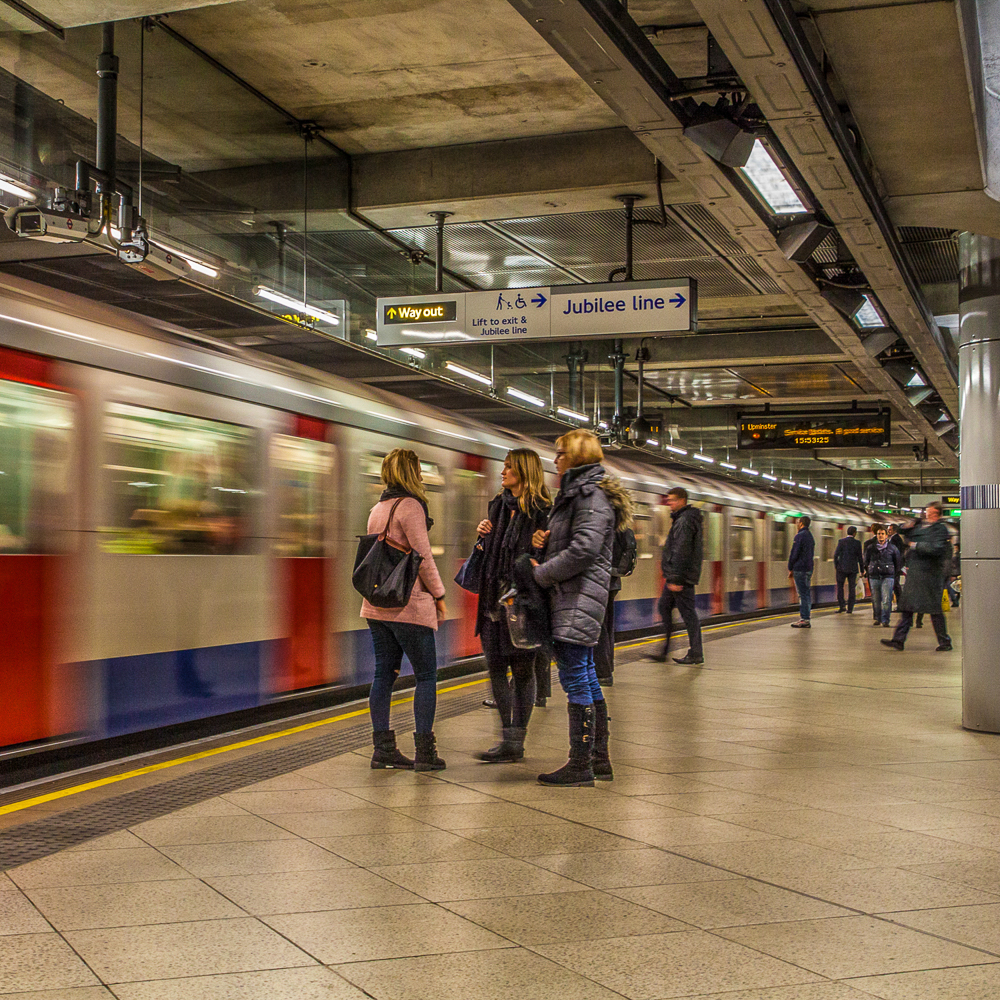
{"x":47,"y":225}
{"x":162,"y":265}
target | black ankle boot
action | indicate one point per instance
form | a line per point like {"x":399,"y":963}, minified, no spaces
{"x":426,"y":757}
{"x":509,"y":750}
{"x":577,"y":770}
{"x":386,"y":754}
{"x":601,"y":760}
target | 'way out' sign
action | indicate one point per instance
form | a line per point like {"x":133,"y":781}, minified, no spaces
{"x":563,"y":312}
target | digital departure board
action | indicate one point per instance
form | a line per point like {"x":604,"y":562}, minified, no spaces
{"x":765,"y":431}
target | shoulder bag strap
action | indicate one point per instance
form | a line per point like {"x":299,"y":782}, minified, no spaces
{"x":385,"y":531}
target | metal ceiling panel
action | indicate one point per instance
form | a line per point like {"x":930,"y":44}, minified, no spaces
{"x":715,"y":277}
{"x":797,"y":380}
{"x":703,"y":385}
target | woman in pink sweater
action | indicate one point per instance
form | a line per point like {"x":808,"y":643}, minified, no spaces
{"x":409,"y":629}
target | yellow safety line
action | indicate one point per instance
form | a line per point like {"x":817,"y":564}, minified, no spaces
{"x":305,"y":727}
{"x":711,"y":628}
{"x":163,"y":765}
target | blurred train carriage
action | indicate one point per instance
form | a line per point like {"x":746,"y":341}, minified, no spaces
{"x":178,"y":525}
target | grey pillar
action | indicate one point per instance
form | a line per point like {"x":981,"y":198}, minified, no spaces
{"x":979,"y":387}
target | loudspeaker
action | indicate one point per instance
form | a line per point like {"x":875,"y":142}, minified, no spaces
{"x":798,"y":242}
{"x":722,"y":139}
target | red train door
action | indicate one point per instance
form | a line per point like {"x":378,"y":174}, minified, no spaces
{"x":37,"y":440}
{"x":303,"y":464}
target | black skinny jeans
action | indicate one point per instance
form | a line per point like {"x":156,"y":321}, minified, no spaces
{"x":515,"y":699}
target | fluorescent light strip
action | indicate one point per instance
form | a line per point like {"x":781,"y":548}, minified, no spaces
{"x":573,"y":415}
{"x":414,"y":352}
{"x":196,"y":265}
{"x":284,"y":300}
{"x":653,"y":442}
{"x":371,"y":335}
{"x":11,"y":186}
{"x":849,"y":497}
{"x":750,"y":472}
{"x":839,"y":496}
{"x":765,"y":175}
{"x":676,"y":451}
{"x":868,"y":316}
{"x":818,"y":490}
{"x":788,"y":482}
{"x":768,"y":477}
{"x":525,"y":396}
{"x":726,"y":465}
{"x":475,"y":376}
{"x":703,"y":458}
{"x":804,"y":486}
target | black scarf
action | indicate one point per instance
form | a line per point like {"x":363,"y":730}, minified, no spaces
{"x":397,"y":493}
{"x":498,"y":572}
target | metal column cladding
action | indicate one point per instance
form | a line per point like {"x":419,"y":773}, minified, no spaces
{"x":979,"y":392}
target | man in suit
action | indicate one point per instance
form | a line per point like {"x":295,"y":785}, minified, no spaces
{"x":848,"y":562}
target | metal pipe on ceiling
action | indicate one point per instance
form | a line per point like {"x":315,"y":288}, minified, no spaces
{"x":107,"y":111}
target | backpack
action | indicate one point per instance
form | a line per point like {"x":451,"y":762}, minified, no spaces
{"x":624,"y":553}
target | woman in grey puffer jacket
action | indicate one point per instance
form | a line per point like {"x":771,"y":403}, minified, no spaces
{"x":576,"y":572}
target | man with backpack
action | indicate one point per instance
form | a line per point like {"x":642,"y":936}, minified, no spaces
{"x":681,"y":566}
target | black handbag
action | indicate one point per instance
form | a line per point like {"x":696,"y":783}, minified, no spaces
{"x":384,"y":572}
{"x":470,"y":576}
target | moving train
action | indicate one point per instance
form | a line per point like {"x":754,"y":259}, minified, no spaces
{"x":178,"y":523}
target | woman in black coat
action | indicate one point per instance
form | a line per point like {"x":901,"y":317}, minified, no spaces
{"x":515,"y":514}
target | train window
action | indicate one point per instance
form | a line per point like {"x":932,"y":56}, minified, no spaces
{"x":741,"y":539}
{"x":779,"y":541}
{"x":661,"y":525}
{"x":713,"y":536}
{"x":829,"y":543}
{"x":177,"y":484}
{"x":472,"y":498}
{"x":36,"y":445}
{"x":644,"y":527}
{"x":302,"y":469}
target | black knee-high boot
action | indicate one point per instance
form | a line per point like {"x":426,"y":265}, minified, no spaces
{"x":601,"y":759}
{"x":577,"y":770}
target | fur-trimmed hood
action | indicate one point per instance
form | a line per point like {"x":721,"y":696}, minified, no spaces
{"x":621,"y":500}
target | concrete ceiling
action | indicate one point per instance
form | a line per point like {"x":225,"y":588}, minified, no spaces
{"x":497,"y":113}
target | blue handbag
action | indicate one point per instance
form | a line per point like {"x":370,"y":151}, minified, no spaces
{"x":470,"y":576}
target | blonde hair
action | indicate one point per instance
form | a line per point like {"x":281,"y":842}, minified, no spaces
{"x":581,"y":447}
{"x":401,"y":468}
{"x":527,"y":467}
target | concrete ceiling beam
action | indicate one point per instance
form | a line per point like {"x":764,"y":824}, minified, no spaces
{"x":605,"y":47}
{"x":754,"y":43}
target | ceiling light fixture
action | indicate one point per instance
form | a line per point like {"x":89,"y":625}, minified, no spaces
{"x":524,"y":396}
{"x":768,"y":477}
{"x":572,"y":414}
{"x":653,"y":442}
{"x":475,"y":376}
{"x":868,"y":315}
{"x":703,"y":458}
{"x":788,"y":482}
{"x":414,"y":352}
{"x":770,"y":183}
{"x":726,"y":465}
{"x":371,"y":335}
{"x":11,"y":186}
{"x":303,"y":307}
{"x":834,"y":493}
{"x":819,"y":489}
{"x":675,"y":450}
{"x":851,"y":497}
{"x":749,"y":472}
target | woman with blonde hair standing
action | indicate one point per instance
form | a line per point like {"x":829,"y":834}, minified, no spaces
{"x":519,"y":510}
{"x":409,"y":629}
{"x":576,"y":572}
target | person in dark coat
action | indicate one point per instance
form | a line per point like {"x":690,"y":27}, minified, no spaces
{"x":800,"y":569}
{"x":576,"y":572}
{"x":928,"y":558}
{"x":604,"y":651}
{"x":848,"y":562}
{"x":883,"y":565}
{"x":895,"y":538}
{"x":514,"y":515}
{"x":680,"y":563}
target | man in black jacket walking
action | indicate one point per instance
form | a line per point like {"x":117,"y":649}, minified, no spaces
{"x":848,"y":561}
{"x":681,"y":566}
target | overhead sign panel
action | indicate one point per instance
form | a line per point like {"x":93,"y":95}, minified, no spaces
{"x":765,"y":431}
{"x":564,"y":312}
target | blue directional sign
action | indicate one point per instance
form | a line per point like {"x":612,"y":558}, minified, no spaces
{"x":564,"y":312}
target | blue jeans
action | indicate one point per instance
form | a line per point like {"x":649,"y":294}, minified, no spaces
{"x":391,"y":640}
{"x":803,"y":579}
{"x":577,"y":674}
{"x":881,"y":597}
